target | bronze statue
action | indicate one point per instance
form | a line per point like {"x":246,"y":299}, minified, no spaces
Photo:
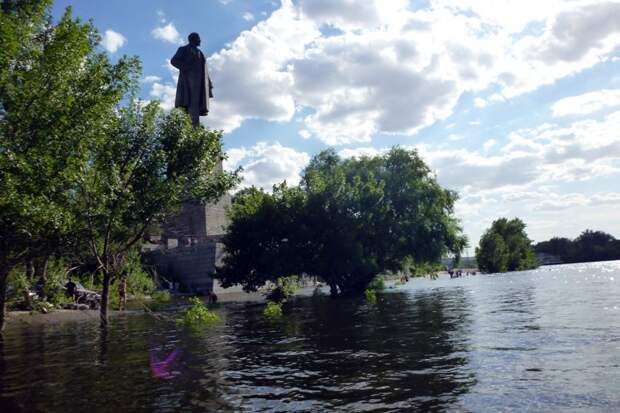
{"x":193,"y":79}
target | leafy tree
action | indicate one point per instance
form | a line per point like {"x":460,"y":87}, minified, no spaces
{"x":492,"y":255}
{"x":505,"y":247}
{"x":347,"y":222}
{"x":56,"y":95}
{"x":142,"y":170}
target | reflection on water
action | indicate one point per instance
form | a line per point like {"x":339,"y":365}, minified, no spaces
{"x":544,"y":340}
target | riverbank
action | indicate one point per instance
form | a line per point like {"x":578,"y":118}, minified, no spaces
{"x":35,"y":319}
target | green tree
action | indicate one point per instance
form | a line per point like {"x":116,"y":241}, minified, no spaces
{"x":56,"y":95}
{"x":143,"y":168}
{"x":347,"y":222}
{"x":505,"y":247}
{"x":492,"y":255}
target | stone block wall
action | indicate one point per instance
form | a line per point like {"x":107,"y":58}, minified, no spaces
{"x":190,"y":266}
{"x":189,"y":248}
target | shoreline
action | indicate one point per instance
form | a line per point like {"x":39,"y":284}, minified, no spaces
{"x":35,"y":319}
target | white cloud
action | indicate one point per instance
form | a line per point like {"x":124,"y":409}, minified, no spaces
{"x":167,"y":33}
{"x":150,"y":79}
{"x":252,"y":78}
{"x":165,"y":93}
{"x":574,"y":39}
{"x":266,"y":164}
{"x":385,"y":68}
{"x":361,"y":151}
{"x":305,"y":134}
{"x":586,"y":103}
{"x":548,"y":154}
{"x":489,"y":144}
{"x":480,"y":103}
{"x":112,"y":41}
{"x":247,"y":16}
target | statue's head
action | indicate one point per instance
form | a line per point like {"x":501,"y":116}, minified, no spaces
{"x":194,"y":39}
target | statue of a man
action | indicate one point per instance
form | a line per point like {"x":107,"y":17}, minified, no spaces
{"x":194,"y":81}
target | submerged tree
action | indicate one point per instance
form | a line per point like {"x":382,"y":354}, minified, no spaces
{"x":348,"y":221}
{"x":505,"y":247}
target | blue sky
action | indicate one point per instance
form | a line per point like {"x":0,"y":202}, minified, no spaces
{"x":514,"y":104}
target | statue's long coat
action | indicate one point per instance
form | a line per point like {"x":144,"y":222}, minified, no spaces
{"x":193,"y":79}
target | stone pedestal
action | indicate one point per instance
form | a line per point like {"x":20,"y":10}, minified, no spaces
{"x":190,"y":249}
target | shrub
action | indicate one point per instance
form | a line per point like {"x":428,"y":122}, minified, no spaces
{"x":377,"y":283}
{"x":285,"y":287}
{"x":273,"y":309}
{"x":370,"y":295}
{"x":19,"y":285}
{"x":139,"y":282}
{"x":54,"y":290}
{"x":198,"y":315}
{"x":162,"y":296}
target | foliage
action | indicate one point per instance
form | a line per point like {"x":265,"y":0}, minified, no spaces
{"x":198,"y":315}
{"x":273,"y":309}
{"x":162,"y":296}
{"x":57,"y":95}
{"x":18,"y":287}
{"x":139,"y":282}
{"x":142,"y":171}
{"x":587,"y":247}
{"x":505,"y":247}
{"x":54,"y":288}
{"x":370,"y":295}
{"x":78,"y":171}
{"x":422,"y":269}
{"x":377,"y":283}
{"x":284,"y":288}
{"x":347,"y":222}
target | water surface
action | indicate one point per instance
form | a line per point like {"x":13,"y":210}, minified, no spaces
{"x":543,"y":340}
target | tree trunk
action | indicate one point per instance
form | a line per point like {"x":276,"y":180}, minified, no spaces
{"x":103,"y":311}
{"x":4,"y":273}
{"x":40,"y":273}
{"x":30,"y":269}
{"x":122,"y":293}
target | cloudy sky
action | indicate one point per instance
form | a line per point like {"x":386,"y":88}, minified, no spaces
{"x":514,"y":103}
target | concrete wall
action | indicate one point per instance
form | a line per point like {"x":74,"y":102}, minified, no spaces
{"x":189,"y":249}
{"x":190,"y":266}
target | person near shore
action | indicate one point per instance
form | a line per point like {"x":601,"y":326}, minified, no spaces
{"x":71,"y":289}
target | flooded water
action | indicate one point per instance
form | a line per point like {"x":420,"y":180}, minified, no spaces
{"x":538,"y":341}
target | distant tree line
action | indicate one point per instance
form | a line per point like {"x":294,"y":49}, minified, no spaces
{"x":587,"y":247}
